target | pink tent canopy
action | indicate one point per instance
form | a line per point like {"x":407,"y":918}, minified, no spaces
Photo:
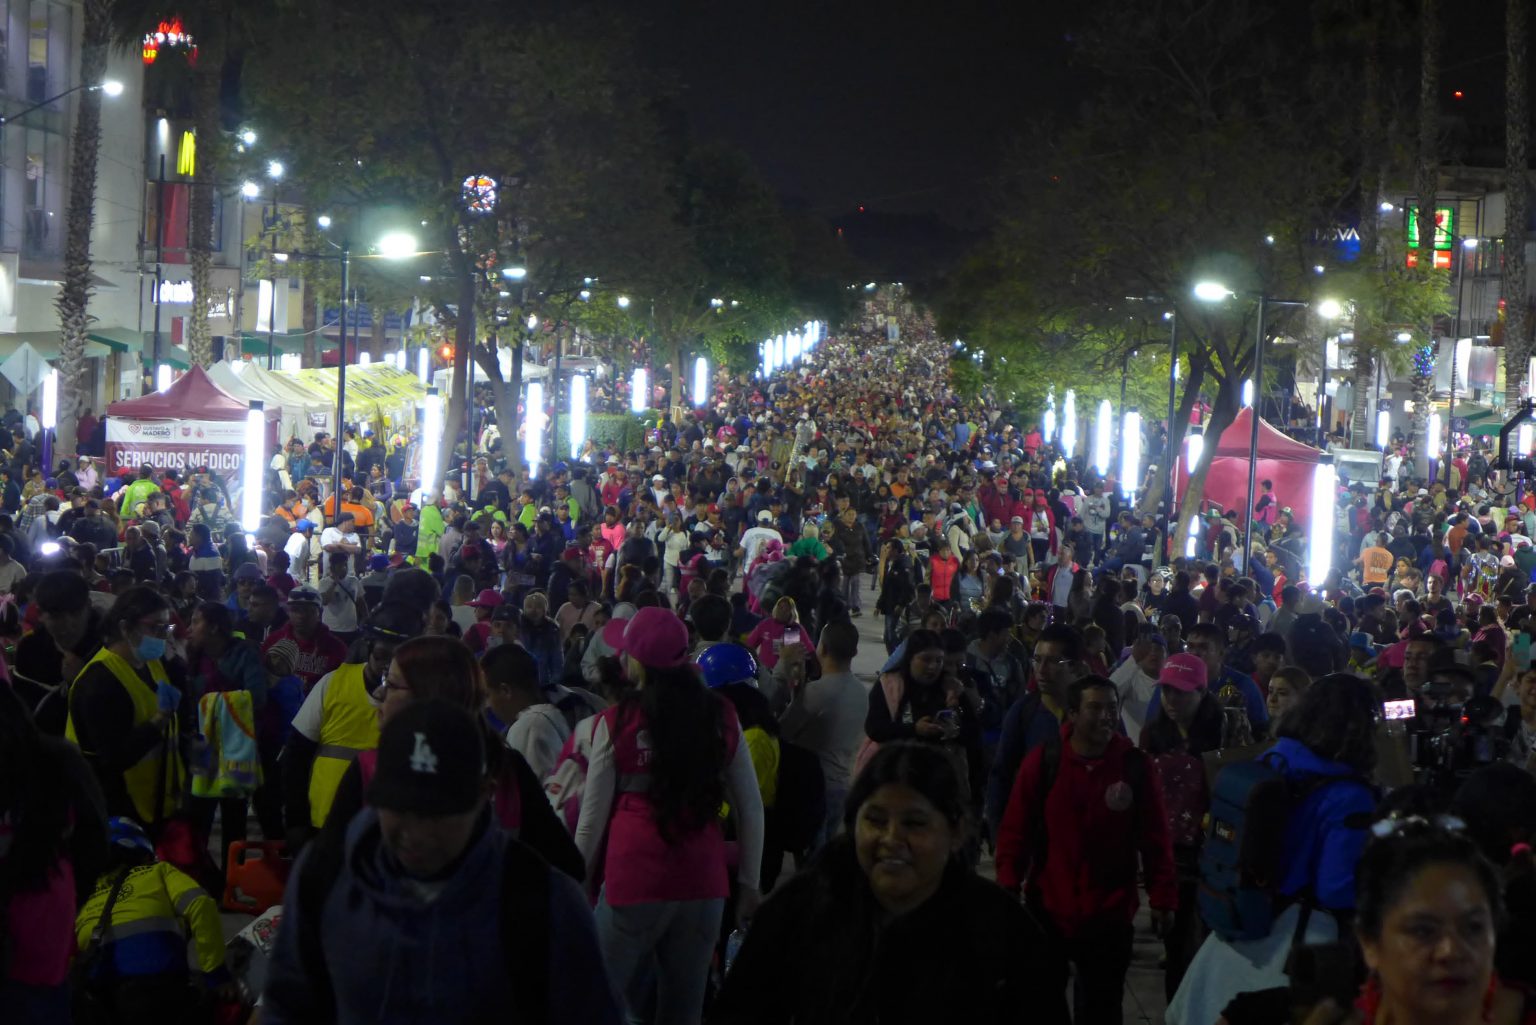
{"x":1283,"y":460}
{"x":193,"y":395}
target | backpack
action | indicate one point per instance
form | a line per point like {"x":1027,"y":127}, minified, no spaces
{"x":525,"y":923}
{"x":564,"y":786}
{"x":801,"y":807}
{"x":1241,"y":863}
{"x":576,"y":706}
{"x":775,"y":578}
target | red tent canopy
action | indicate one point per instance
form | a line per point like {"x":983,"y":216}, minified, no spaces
{"x":1283,"y":460}
{"x":1272,"y":443}
{"x":192,"y":396}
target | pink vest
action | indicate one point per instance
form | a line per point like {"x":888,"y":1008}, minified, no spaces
{"x":640,"y":866}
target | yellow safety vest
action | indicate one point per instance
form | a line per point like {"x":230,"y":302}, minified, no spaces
{"x":156,"y":898}
{"x":349,"y":725}
{"x":161,"y":766}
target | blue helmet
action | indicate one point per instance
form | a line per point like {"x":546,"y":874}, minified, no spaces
{"x":725,"y":663}
{"x":125,"y":832}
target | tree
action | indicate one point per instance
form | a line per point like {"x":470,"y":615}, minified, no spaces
{"x":1183,"y":165}
{"x":540,"y":101}
{"x":75,"y":295}
{"x":1517,"y":212}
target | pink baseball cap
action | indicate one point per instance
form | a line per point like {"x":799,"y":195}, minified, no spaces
{"x":1183,"y":672}
{"x":487,"y":599}
{"x":653,"y":637}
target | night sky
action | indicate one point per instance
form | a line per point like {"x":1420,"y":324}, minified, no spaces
{"x":899,"y":106}
{"x":905,"y":108}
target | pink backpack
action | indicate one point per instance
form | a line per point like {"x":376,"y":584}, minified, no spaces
{"x":568,"y":781}
{"x":1186,"y":798}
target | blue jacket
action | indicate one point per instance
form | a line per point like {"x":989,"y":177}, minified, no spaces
{"x":1327,"y":831}
{"x":396,"y":959}
{"x":1027,"y":725}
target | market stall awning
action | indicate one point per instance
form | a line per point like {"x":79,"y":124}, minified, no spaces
{"x":282,"y":344}
{"x":46,"y":343}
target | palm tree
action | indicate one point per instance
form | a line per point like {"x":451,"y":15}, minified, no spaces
{"x":1517,"y":345}
{"x":74,"y":298}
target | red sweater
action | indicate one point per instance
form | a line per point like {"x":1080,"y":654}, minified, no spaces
{"x":1089,"y":875}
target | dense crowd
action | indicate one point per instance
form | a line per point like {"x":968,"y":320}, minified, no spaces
{"x":590,"y":746}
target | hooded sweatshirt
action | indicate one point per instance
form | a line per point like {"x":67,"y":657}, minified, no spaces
{"x":400,"y":951}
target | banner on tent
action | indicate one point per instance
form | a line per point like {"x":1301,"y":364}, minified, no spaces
{"x":175,"y":444}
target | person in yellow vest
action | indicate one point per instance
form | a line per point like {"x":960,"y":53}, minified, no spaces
{"x":340,"y":719}
{"x":128,"y":709}
{"x":133,"y":933}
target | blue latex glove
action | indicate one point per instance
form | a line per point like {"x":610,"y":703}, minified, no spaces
{"x":168,"y":697}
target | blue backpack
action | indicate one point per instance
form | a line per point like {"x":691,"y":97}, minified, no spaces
{"x":1242,"y":862}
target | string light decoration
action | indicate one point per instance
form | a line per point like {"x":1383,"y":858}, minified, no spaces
{"x":479,"y":193}
{"x":168,"y":35}
{"x":1424,"y":360}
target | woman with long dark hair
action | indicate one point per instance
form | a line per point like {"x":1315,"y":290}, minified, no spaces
{"x":55,"y":844}
{"x":886,"y":911}
{"x":442,"y":669}
{"x":663,"y":761}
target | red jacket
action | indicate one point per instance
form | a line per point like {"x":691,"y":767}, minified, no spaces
{"x":1089,"y":875}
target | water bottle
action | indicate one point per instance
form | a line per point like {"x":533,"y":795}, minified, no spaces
{"x":732,"y":948}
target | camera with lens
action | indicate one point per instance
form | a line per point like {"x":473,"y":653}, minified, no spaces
{"x":1454,"y":734}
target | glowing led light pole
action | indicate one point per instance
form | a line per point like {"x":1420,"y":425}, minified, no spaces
{"x":701,"y":381}
{"x":1050,"y":415}
{"x":533,"y":427}
{"x":49,"y":414}
{"x":1130,"y":453}
{"x":431,"y":438}
{"x":1103,"y":434}
{"x":253,"y":471}
{"x":1523,"y":437}
{"x":1069,"y":424}
{"x":1383,"y":428}
{"x":578,"y":418}
{"x":639,"y":393}
{"x":1432,"y":441}
{"x":1320,"y":530}
{"x":423,"y":363}
{"x":162,"y":377}
{"x":1248,"y":393}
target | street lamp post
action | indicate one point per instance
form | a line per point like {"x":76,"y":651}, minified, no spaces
{"x":1253,"y":434}
{"x":1173,"y":385}
{"x":275,"y":172}
{"x":1467,"y":248}
{"x":110,"y":87}
{"x":341,"y":379}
